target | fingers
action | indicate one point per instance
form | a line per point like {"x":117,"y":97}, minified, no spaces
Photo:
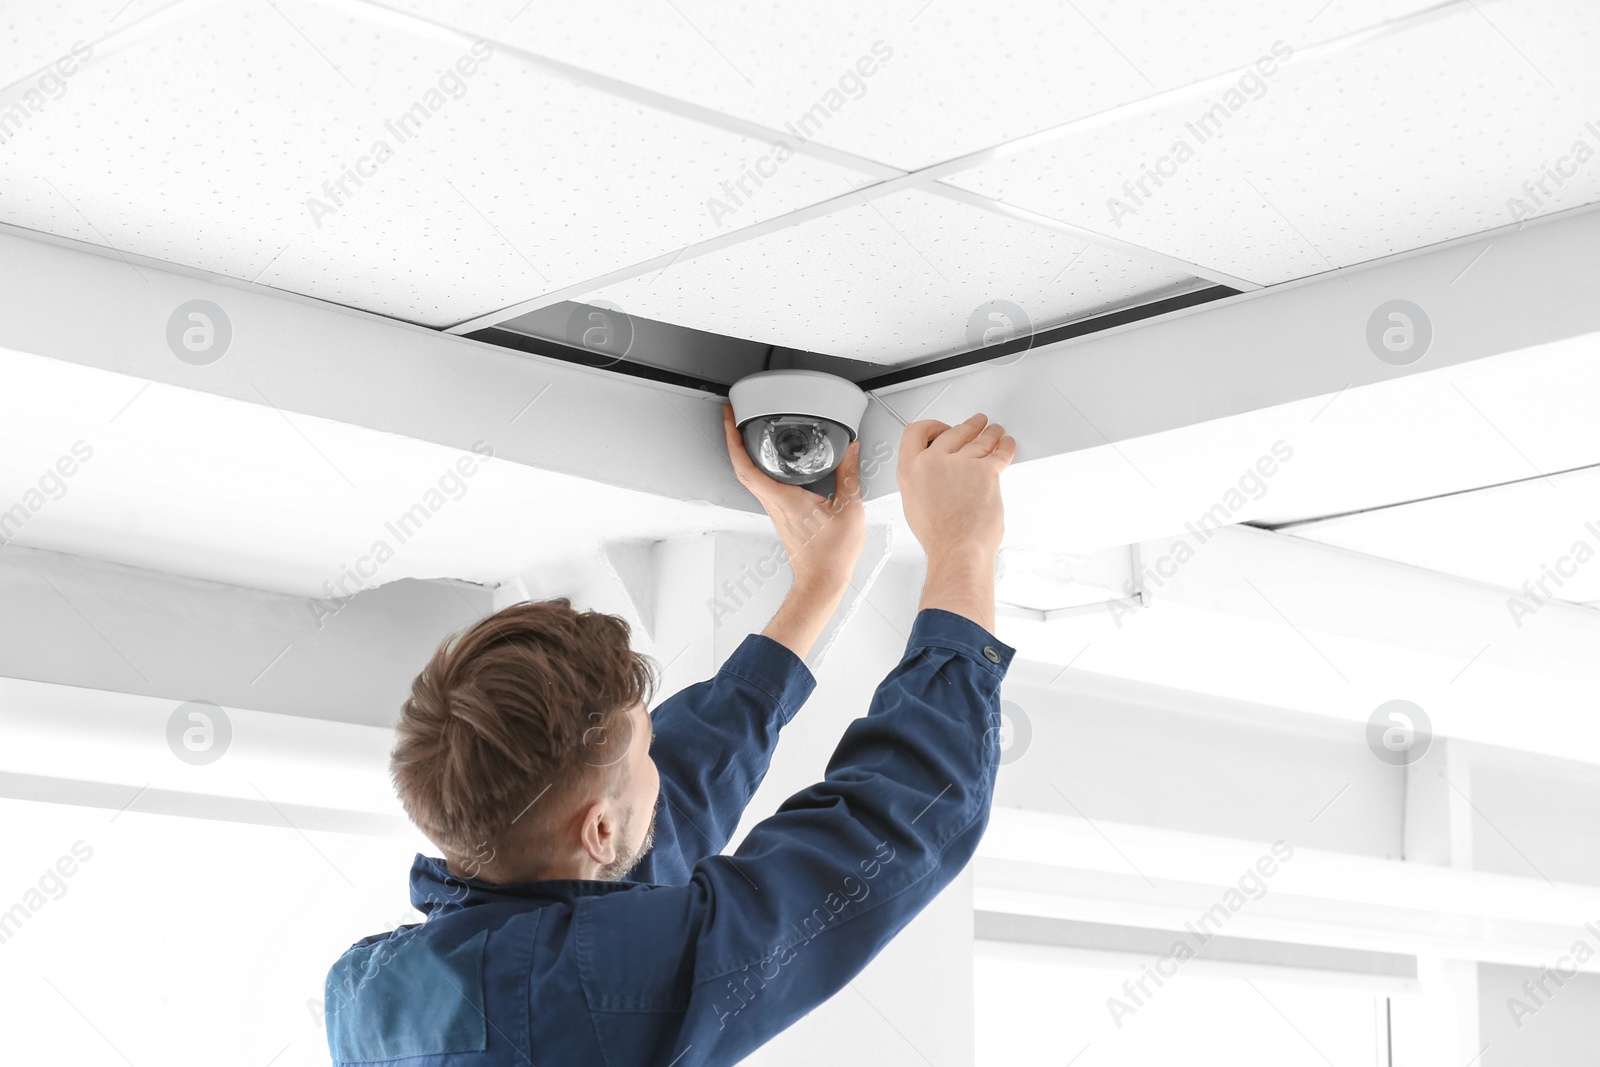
{"x":743,"y":467}
{"x":984,"y":443}
{"x":914,"y":441}
{"x":1005,"y":450}
{"x":847,"y":478}
{"x":918,"y":434}
{"x":958,"y":436}
{"x":975,"y":436}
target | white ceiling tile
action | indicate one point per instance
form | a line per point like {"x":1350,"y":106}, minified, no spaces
{"x":1176,"y":42}
{"x":1547,"y":529}
{"x":207,"y":144}
{"x":35,"y":34}
{"x":946,"y":78}
{"x":891,"y":280}
{"x":1410,"y":138}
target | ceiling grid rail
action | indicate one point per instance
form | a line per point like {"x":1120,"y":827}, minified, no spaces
{"x":890,"y":180}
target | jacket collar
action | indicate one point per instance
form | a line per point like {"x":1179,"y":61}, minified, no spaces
{"x":434,"y":888}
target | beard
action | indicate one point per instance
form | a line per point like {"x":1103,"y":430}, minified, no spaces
{"x":619,"y":868}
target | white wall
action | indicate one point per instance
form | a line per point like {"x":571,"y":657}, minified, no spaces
{"x":1150,"y":768}
{"x":1562,"y":1031}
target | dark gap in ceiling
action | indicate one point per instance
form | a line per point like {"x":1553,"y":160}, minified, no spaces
{"x":540,"y":346}
{"x":1078,"y":328}
{"x":609,"y":339}
{"x":1274,"y":525}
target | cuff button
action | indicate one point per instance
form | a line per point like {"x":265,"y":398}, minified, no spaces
{"x":990,"y":654}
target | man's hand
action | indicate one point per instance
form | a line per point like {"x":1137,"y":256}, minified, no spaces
{"x":950,"y":490}
{"x":822,"y":537}
{"x":950,"y":485}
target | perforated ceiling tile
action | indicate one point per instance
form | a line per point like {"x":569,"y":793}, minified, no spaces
{"x":891,"y":280}
{"x":1438,"y":131}
{"x":35,"y":34}
{"x":934,"y":80}
{"x":1176,"y":42}
{"x":407,"y":174}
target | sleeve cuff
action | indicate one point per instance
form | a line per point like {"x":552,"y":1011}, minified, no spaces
{"x":938,"y":628}
{"x":772,"y":667}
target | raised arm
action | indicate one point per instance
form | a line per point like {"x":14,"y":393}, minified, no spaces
{"x":713,"y":969}
{"x":760,"y":937}
{"x":714,"y":740}
{"x":713,"y":744}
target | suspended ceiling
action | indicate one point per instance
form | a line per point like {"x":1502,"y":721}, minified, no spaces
{"x":1537,"y":537}
{"x":852,"y":188}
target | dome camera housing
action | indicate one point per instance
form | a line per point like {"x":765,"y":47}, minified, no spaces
{"x":796,"y":424}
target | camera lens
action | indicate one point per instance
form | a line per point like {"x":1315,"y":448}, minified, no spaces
{"x":796,"y":449}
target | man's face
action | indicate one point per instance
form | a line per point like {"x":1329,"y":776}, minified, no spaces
{"x":640,"y":789}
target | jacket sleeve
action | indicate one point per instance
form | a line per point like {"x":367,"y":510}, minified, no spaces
{"x":713,"y":969}
{"x":713,"y":745}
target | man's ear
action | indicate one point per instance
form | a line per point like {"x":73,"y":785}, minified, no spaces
{"x":598,"y":832}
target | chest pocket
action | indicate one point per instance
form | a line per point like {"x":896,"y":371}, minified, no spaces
{"x":407,"y":995}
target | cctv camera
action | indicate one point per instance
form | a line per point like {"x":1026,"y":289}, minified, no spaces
{"x":796,"y":424}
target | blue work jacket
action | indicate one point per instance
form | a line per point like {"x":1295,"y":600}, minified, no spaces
{"x":698,"y":958}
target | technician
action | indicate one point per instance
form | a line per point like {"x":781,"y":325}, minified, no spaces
{"x":582,"y":912}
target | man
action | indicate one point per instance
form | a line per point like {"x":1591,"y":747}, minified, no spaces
{"x":582,"y":913}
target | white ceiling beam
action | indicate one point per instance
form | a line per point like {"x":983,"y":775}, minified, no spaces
{"x":1180,"y":398}
{"x":101,"y":308}
{"x":87,"y":623}
{"x":1061,"y":866}
{"x":1104,"y":411}
{"x":1275,"y":620}
{"x":103,"y":748}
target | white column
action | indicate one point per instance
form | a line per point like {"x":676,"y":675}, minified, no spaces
{"x":1439,"y":1027}
{"x":694,"y":599}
